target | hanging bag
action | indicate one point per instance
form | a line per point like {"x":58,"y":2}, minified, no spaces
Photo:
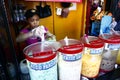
{"x":44,"y":10}
{"x":65,"y":10}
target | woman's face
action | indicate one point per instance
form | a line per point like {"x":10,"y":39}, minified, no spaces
{"x":34,"y":21}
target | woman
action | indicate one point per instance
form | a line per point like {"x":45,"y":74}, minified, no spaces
{"x":34,"y":33}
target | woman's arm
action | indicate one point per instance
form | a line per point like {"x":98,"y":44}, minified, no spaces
{"x":50,"y":36}
{"x":23,"y":36}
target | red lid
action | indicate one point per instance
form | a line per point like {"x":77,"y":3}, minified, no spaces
{"x":73,"y":47}
{"x":38,"y":52}
{"x":113,"y":39}
{"x":94,"y":42}
{"x":41,"y":57}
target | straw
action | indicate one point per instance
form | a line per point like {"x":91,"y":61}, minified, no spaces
{"x":87,"y":41}
{"x":42,"y":38}
{"x":116,"y":33}
{"x":42,"y":30}
{"x":86,"y":38}
{"x":102,"y":34}
{"x":66,"y":40}
{"x":42,"y":41}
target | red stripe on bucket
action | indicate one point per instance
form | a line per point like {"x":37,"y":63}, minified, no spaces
{"x":112,"y":39}
{"x":95,"y":44}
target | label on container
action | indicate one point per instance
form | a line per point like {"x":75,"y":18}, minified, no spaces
{"x":69,"y":66}
{"x":112,"y":46}
{"x":71,"y":57}
{"x":96,"y":51}
{"x":43,"y":71}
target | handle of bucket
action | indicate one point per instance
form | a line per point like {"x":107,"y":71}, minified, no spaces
{"x":72,"y":46}
{"x":23,"y":66}
{"x":42,"y":53}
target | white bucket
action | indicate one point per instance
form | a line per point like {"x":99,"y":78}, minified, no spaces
{"x":69,"y":62}
{"x":42,"y":61}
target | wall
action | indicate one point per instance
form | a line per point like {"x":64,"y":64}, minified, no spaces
{"x":73,"y":26}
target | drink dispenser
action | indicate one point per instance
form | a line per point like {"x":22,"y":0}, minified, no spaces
{"x":112,"y":46}
{"x":91,"y":58}
{"x":69,"y":61}
{"x":42,"y":60}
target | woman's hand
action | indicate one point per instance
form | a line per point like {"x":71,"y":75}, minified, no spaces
{"x":38,"y":32}
{"x":50,"y":37}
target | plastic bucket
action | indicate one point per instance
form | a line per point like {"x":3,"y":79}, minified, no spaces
{"x":112,"y":46}
{"x":69,"y":61}
{"x":42,"y":60}
{"x":91,"y":58}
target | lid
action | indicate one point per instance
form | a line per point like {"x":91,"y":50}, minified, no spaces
{"x":40,"y":51}
{"x":94,"y":42}
{"x":108,"y":38}
{"x":73,"y":46}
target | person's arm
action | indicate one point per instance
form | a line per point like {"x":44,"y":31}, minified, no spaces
{"x":50,"y":36}
{"x":23,"y":36}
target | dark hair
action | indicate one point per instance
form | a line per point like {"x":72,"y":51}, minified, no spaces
{"x":31,"y":12}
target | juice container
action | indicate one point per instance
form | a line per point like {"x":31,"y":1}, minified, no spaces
{"x":69,"y":61}
{"x":42,"y":60}
{"x":91,"y":58}
{"x":112,"y":46}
